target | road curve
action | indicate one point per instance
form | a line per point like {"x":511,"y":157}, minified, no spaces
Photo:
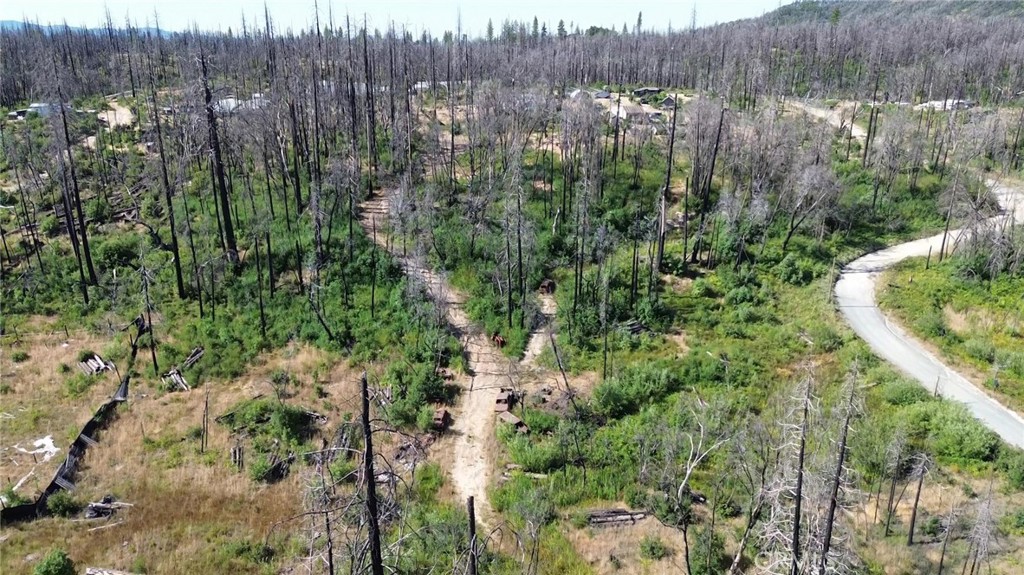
{"x":855,"y":298}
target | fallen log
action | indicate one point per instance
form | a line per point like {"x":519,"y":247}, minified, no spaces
{"x":611,"y":517}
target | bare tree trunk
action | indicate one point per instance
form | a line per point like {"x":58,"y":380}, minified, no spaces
{"x":665,"y":191}
{"x":917,"y":498}
{"x":798,"y":494}
{"x":836,"y":480}
{"x":231,"y":250}
{"x":376,"y":559}
{"x":76,"y":195}
{"x":179,"y":279}
{"x":472,"y":535}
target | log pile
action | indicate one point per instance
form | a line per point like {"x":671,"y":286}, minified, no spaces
{"x":94,"y":364}
{"x":634,"y":327}
{"x":614,"y":517}
{"x":173,"y":379}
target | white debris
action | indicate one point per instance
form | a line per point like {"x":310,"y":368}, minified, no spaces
{"x":44,"y":445}
{"x":23,"y":480}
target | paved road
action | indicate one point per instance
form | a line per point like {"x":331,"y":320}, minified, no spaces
{"x":855,"y":297}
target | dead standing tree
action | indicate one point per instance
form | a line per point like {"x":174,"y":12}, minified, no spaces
{"x":677,"y":455}
{"x":231,"y":245}
{"x":704,"y":137}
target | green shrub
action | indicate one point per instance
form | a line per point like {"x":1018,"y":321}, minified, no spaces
{"x":579,"y":520}
{"x":634,"y":388}
{"x":653,"y":548}
{"x":342,"y":469}
{"x":12,"y":498}
{"x":932,"y":323}
{"x":50,"y":226}
{"x":980,"y":350}
{"x":425,"y":418}
{"x":117,"y":251}
{"x":259,"y":467}
{"x":429,"y":480}
{"x":1015,"y":521}
{"x":63,"y":504}
{"x":932,"y":527}
{"x":795,"y":270}
{"x":248,"y":551}
{"x":414,"y":388}
{"x":708,"y":556}
{"x":19,"y":356}
{"x":952,"y":432}
{"x":903,"y":392}
{"x":77,"y":384}
{"x":825,"y":338}
{"x":56,"y":562}
{"x":742,"y":294}
{"x":1014,"y":465}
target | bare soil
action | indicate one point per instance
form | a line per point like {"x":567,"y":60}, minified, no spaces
{"x":472,"y":445}
{"x":118,"y":115}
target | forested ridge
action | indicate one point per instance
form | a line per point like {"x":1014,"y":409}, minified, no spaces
{"x":354,"y":276}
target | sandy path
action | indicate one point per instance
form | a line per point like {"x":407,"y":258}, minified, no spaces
{"x":117,"y":115}
{"x":855,"y":298}
{"x":836,"y":117}
{"x":473,"y":415}
{"x":539,"y":337}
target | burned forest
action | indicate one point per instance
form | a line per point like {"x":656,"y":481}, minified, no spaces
{"x":532,"y":297}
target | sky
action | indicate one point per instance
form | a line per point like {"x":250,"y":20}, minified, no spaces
{"x":435,"y":16}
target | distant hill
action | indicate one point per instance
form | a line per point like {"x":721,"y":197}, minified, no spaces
{"x":822,"y":10}
{"x":18,"y":25}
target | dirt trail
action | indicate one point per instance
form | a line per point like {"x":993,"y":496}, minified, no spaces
{"x":539,"y":337}
{"x":836,"y":117}
{"x":473,"y":415}
{"x":118,"y":115}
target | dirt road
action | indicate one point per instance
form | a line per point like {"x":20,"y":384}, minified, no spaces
{"x":836,"y":117}
{"x":473,"y":415}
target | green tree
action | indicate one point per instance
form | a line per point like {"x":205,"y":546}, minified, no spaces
{"x":561,"y":29}
{"x":490,"y":30}
{"x":56,"y":562}
{"x":536,"y":29}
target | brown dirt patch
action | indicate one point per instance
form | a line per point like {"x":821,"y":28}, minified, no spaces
{"x":617,"y":549}
{"x":117,"y":115}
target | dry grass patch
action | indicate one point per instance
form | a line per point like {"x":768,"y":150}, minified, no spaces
{"x":192,"y":510}
{"x":617,"y":549}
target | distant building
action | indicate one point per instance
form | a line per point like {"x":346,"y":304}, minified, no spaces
{"x":645,"y":91}
{"x":44,"y":109}
{"x":602,"y":94}
{"x":626,"y":111}
{"x":231,"y":103}
{"x":951,"y":104}
{"x":668,"y":103}
{"x":579,"y":94}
